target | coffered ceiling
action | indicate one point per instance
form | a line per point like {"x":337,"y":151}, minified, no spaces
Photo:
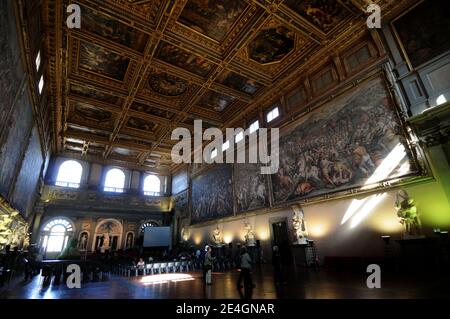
{"x":137,"y":69}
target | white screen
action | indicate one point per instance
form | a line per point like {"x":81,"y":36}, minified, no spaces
{"x":156,"y":236}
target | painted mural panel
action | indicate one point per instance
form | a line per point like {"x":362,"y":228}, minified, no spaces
{"x":112,"y":29}
{"x":353,"y":141}
{"x":272,"y":45}
{"x":324,"y":14}
{"x":16,"y":139}
{"x":184,"y":59}
{"x":212,"y":195}
{"x":99,"y":60}
{"x":181,"y":204}
{"x":10,"y":65}
{"x":27,"y":181}
{"x":215,"y":101}
{"x":179,"y":182}
{"x":425,"y":31}
{"x":214,"y":18}
{"x":251,"y":187}
{"x":239,"y":82}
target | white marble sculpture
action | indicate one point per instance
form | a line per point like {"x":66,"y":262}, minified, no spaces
{"x":217,"y":237}
{"x":250,"y":239}
{"x":299,"y":224}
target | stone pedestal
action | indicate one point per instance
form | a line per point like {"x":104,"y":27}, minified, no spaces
{"x":304,"y":255}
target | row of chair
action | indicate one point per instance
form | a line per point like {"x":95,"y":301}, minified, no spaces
{"x":154,"y":268}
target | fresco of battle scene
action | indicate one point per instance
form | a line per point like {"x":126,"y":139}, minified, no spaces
{"x":251,"y":187}
{"x":212,"y":195}
{"x":343,"y":145}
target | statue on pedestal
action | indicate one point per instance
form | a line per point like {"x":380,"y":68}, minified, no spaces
{"x":217,"y":237}
{"x":106,"y":241}
{"x":250,"y":236}
{"x":299,"y":224}
{"x":407,"y":212}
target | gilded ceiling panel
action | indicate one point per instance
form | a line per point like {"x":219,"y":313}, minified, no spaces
{"x":113,"y":30}
{"x":271,"y":45}
{"x":152,"y":111}
{"x":324,"y":14}
{"x":239,"y":82}
{"x":213,"y":18}
{"x":92,"y":94}
{"x":184,"y":59}
{"x":215,"y":101}
{"x":166,"y":84}
{"x":99,"y":60}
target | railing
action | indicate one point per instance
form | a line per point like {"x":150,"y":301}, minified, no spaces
{"x":113,"y":189}
{"x":152,"y":194}
{"x":67,"y":184}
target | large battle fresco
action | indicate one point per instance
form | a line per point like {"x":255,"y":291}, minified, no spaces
{"x":214,"y":18}
{"x":252,"y":190}
{"x":324,"y":14}
{"x":10,"y":65}
{"x":16,"y":139}
{"x":99,"y":60}
{"x":27,"y":181}
{"x":184,"y":59}
{"x":271,"y":45}
{"x":425,"y":31}
{"x":212,"y":195}
{"x":342,"y":145}
{"x":112,"y":29}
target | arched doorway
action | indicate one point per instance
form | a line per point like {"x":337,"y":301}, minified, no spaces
{"x":55,"y":235}
{"x":108,"y":235}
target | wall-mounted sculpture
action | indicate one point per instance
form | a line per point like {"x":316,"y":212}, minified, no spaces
{"x":217,"y":237}
{"x":408,"y":214}
{"x":299,"y":224}
{"x":250,"y":240}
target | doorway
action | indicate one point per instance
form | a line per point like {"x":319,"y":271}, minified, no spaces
{"x":281,"y":239}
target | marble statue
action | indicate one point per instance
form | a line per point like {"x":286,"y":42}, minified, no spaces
{"x":249,"y":236}
{"x":217,"y":237}
{"x":106,"y":241}
{"x":83,"y":241}
{"x":407,"y":212}
{"x":299,"y":224}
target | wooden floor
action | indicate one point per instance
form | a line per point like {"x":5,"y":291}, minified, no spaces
{"x":301,"y":284}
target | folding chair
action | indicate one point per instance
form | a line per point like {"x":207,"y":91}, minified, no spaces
{"x":157,"y":267}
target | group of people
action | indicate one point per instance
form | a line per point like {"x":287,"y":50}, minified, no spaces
{"x":14,"y":261}
{"x":245,"y":267}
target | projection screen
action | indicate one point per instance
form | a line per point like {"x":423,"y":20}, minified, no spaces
{"x":157,"y":237}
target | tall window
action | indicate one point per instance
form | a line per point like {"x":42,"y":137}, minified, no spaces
{"x":254,"y":127}
{"x":56,"y":235}
{"x":114,"y":181}
{"x":152,"y":185}
{"x":41,"y":84}
{"x":273,"y":114}
{"x":69,"y":174}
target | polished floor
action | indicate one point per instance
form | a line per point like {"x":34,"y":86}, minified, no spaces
{"x":300,"y":284}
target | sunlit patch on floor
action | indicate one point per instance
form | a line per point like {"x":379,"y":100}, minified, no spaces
{"x":165,"y":278}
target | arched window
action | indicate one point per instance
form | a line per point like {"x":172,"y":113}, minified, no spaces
{"x":114,"y":181}
{"x":152,"y":185}
{"x":69,"y":174}
{"x":147,"y":224}
{"x":56,"y":235}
